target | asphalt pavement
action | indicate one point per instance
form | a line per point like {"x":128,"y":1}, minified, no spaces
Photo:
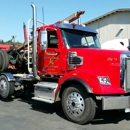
{"x":23,"y":113}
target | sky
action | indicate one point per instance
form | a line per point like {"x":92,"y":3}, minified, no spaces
{"x":14,"y":12}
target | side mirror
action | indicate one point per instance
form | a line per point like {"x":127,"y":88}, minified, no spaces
{"x":44,"y":40}
{"x":128,"y":48}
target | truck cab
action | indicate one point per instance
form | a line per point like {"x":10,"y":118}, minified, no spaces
{"x":58,"y":47}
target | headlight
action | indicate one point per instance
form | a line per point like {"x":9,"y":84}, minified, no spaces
{"x":104,"y":80}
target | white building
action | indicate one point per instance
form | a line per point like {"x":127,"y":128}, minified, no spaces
{"x":112,"y":25}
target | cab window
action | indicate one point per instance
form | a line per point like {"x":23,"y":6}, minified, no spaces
{"x":52,"y":39}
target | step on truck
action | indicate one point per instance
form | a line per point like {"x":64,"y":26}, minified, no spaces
{"x":64,"y":62}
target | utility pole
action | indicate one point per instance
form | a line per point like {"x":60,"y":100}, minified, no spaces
{"x":13,"y":38}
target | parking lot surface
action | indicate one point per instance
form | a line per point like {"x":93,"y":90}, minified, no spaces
{"x":23,"y":113}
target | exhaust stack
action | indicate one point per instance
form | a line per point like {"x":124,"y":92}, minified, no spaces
{"x":35,"y":43}
{"x":25,"y":33}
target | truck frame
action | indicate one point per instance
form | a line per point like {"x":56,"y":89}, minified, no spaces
{"x":64,"y":62}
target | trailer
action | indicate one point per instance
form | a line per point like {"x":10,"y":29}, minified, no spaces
{"x":117,"y":44}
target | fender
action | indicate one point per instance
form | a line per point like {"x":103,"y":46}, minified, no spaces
{"x":9,"y":76}
{"x":84,"y":84}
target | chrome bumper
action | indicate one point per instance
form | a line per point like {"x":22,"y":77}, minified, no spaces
{"x":115,"y":102}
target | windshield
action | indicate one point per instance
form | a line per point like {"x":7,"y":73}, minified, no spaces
{"x":80,"y":39}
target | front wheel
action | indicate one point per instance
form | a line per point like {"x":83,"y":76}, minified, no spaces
{"x":77,"y":105}
{"x":6,"y":87}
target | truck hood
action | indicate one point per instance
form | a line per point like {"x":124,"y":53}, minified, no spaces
{"x":99,"y":62}
{"x":99,"y":59}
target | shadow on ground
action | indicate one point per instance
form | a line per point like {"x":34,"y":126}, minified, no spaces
{"x":42,"y":106}
{"x":110,"y":117}
{"x":101,"y":117}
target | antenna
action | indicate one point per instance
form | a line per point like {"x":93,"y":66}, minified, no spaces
{"x":43,"y":14}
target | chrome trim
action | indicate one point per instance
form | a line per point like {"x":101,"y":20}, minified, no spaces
{"x":9,"y":76}
{"x":75,"y":104}
{"x":71,"y":56}
{"x":45,"y":91}
{"x":123,"y":58}
{"x":115,"y":102}
{"x":35,"y":42}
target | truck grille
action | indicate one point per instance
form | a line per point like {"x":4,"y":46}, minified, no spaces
{"x":125,"y":71}
{"x":75,"y":60}
{"x":127,"y":74}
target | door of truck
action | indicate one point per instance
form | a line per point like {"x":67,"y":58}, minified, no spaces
{"x":50,"y":58}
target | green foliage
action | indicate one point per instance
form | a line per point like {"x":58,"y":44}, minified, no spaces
{"x":1,"y":41}
{"x":10,"y":42}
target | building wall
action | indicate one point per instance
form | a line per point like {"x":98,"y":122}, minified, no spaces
{"x":113,"y":26}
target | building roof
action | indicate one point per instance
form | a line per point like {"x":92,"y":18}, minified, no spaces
{"x":109,"y":13}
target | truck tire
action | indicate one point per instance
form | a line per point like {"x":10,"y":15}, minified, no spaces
{"x":6,"y":87}
{"x":0,"y":61}
{"x":77,"y":105}
{"x":4,"y":60}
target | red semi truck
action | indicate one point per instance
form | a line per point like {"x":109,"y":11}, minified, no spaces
{"x":64,"y":62}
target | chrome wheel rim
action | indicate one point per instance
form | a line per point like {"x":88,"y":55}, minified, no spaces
{"x":3,"y":87}
{"x":75,"y":104}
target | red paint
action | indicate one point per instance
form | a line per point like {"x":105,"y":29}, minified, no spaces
{"x":5,"y":47}
{"x":25,"y":33}
{"x":96,"y":62}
